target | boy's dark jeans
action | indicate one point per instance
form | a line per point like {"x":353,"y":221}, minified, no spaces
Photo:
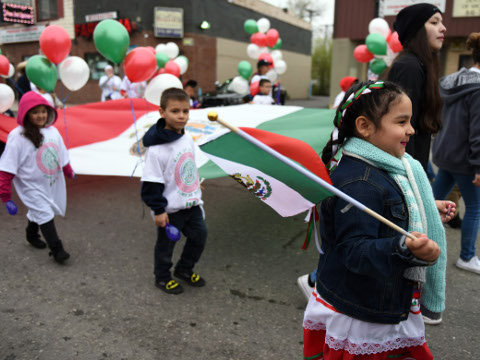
{"x":190,"y":222}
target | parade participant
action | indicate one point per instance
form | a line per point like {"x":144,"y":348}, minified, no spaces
{"x":132,"y":90}
{"x":33,"y":160}
{"x":366,"y":300}
{"x":170,"y":187}
{"x":110,"y":85}
{"x":263,"y":97}
{"x":262,"y":69}
{"x":416,"y":69}
{"x":190,"y":88}
{"x":456,"y":149}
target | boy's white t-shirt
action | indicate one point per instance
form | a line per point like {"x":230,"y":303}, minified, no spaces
{"x":261,"y":99}
{"x":39,"y":179}
{"x":173,"y":164}
{"x":133,"y":90}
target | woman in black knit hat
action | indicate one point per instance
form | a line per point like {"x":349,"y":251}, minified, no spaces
{"x":421,"y":31}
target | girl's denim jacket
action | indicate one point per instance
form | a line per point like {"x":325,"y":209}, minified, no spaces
{"x":361,"y":270}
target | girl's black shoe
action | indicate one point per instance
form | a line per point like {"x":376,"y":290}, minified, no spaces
{"x":33,"y":237}
{"x":456,"y":222}
{"x":59,"y":254}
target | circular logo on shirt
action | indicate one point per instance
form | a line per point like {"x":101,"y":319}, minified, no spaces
{"x":48,"y":160}
{"x":186,"y":173}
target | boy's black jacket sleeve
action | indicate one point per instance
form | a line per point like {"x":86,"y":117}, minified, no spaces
{"x":152,"y":195}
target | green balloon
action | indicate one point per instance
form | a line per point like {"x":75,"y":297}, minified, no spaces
{"x":41,"y":72}
{"x":162,"y":59}
{"x":111,"y":40}
{"x":278,"y":45}
{"x":244,"y":69}
{"x":378,"y":66}
{"x":376,"y":44}
{"x":184,"y":57}
{"x":250,"y":26}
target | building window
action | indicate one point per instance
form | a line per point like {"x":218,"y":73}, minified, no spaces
{"x":49,"y":9}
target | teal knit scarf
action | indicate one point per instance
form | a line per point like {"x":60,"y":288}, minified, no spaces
{"x":422,"y":210}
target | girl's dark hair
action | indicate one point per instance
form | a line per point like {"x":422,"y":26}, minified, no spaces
{"x":32,"y":132}
{"x":473,"y":43}
{"x":430,"y":119}
{"x":373,"y":106}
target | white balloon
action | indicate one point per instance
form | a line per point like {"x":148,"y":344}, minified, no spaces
{"x":171,"y":49}
{"x":253,"y":51}
{"x":11,"y":72}
{"x":7,"y":97}
{"x":264,"y":49}
{"x":263,"y":25}
{"x":158,"y":84}
{"x":182,"y":63}
{"x":239,"y":85}
{"x":272,"y":76}
{"x":276,"y":55}
{"x":280,"y":67}
{"x":74,"y":72}
{"x":379,"y":26}
{"x":160,"y":48}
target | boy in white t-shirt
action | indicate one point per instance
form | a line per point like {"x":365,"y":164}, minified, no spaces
{"x":171,"y":188}
{"x":263,"y":97}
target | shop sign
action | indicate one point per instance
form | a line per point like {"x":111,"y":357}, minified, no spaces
{"x":18,"y":13}
{"x":466,"y":8}
{"x":86,"y":30}
{"x":101,"y":16}
{"x":168,"y":22}
{"x":393,"y":7}
{"x":23,"y":34}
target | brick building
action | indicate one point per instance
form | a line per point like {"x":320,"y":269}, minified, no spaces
{"x":213,"y":53}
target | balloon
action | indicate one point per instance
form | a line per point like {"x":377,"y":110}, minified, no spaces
{"x":7,"y":97}
{"x":263,"y":25}
{"x":41,"y":72}
{"x":171,"y":67}
{"x":172,"y":232}
{"x":55,"y":43}
{"x":376,"y":44}
{"x":74,"y":72}
{"x":111,"y":40}
{"x":11,"y":72}
{"x":182,"y":63}
{"x":276,"y":55}
{"x":259,"y":39}
{"x":272,"y":37}
{"x":171,"y":49}
{"x":162,"y":59}
{"x":4,"y":65}
{"x":239,"y":85}
{"x":377,"y":66}
{"x":379,"y":26}
{"x":160,"y":48}
{"x":361,"y":54}
{"x":278,"y":44}
{"x":140,"y":64}
{"x":151,"y":48}
{"x":244,"y":69}
{"x":158,"y":84}
{"x":254,"y":88}
{"x":394,"y":43}
{"x":267,"y":57}
{"x":250,"y":26}
{"x":11,"y":207}
{"x":272,"y":75}
{"x":280,"y":67}
{"x":253,"y":51}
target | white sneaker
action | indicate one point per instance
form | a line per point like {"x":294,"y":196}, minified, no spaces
{"x":302,"y":282}
{"x":429,"y":321}
{"x":472,"y":265}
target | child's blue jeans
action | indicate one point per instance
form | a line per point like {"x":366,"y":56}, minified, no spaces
{"x":443,"y":184}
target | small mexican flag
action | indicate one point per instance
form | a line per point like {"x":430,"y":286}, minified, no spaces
{"x":283,"y":188}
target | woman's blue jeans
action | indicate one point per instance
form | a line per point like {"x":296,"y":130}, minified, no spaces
{"x":443,"y":184}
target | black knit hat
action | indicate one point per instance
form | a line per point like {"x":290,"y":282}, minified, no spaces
{"x":411,"y":19}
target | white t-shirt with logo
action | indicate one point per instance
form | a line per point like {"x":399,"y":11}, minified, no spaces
{"x":39,"y":180}
{"x":173,"y":164}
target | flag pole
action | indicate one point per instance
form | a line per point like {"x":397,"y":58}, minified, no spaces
{"x":213,"y":116}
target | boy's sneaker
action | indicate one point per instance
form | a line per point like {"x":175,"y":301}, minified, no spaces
{"x":305,"y":285}
{"x":169,"y":286}
{"x":472,"y":265}
{"x":192,"y":279}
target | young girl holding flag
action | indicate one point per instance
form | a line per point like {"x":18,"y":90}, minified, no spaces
{"x":371,"y":279}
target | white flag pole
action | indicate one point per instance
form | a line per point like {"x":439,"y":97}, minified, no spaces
{"x":213,"y":116}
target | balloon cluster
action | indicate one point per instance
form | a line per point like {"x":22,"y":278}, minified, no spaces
{"x":265,"y":43}
{"x":168,"y":60}
{"x":380,"y":48}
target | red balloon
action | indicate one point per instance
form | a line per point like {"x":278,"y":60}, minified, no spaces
{"x":55,"y":43}
{"x":267,"y":57}
{"x":172,"y":67}
{"x":361,"y":54}
{"x":4,"y":65}
{"x":140,"y":64}
{"x":162,"y":71}
{"x":259,"y":39}
{"x":272,"y":37}
{"x":254,"y":88}
{"x":389,"y":35}
{"x":394,"y":43}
